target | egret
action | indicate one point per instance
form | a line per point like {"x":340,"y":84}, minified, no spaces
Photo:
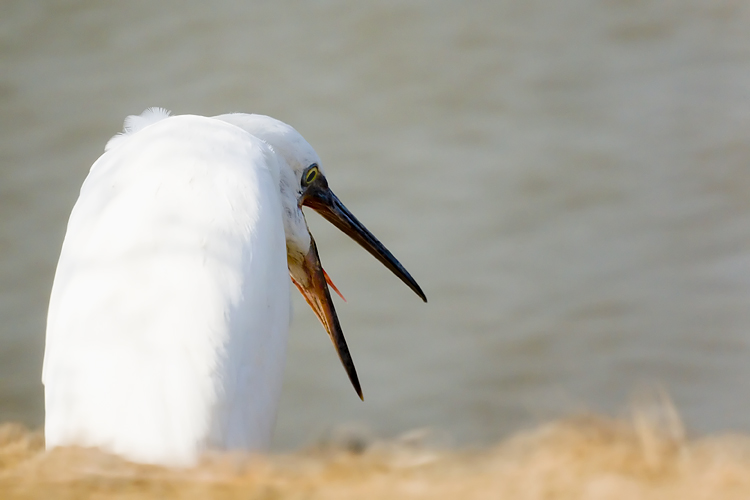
{"x":170,"y":307}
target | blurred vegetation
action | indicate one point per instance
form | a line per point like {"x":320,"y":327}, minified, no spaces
{"x":646,"y":456}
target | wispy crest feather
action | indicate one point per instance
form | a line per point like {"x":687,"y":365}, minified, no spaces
{"x":134,"y":123}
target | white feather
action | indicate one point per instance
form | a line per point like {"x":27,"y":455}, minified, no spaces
{"x":168,"y":317}
{"x":135,"y":123}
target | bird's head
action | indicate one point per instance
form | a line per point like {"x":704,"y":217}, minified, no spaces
{"x":303,"y":183}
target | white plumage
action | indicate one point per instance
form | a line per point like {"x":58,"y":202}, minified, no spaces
{"x":170,"y":307}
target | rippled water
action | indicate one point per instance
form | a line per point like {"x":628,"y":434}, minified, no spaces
{"x":566,"y":180}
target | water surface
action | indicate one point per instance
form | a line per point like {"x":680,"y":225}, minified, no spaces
{"x":566,"y":180}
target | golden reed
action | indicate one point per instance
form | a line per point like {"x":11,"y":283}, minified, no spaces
{"x":587,"y":457}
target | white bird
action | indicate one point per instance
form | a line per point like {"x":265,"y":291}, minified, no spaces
{"x":169,"y":312}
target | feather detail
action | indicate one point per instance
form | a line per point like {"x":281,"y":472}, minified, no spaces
{"x":134,"y":123}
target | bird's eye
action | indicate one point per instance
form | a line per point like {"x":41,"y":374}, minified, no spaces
{"x":310,"y":175}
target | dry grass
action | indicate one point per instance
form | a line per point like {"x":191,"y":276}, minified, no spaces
{"x":646,"y":457}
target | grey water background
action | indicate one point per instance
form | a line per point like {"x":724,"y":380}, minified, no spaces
{"x":568,"y":181}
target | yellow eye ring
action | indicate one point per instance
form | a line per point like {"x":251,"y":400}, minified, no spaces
{"x":310,"y":175}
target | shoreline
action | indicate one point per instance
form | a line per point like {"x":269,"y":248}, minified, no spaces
{"x":589,"y":456}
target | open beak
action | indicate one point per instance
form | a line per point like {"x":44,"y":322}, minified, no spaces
{"x":310,"y":278}
{"x":320,"y":198}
